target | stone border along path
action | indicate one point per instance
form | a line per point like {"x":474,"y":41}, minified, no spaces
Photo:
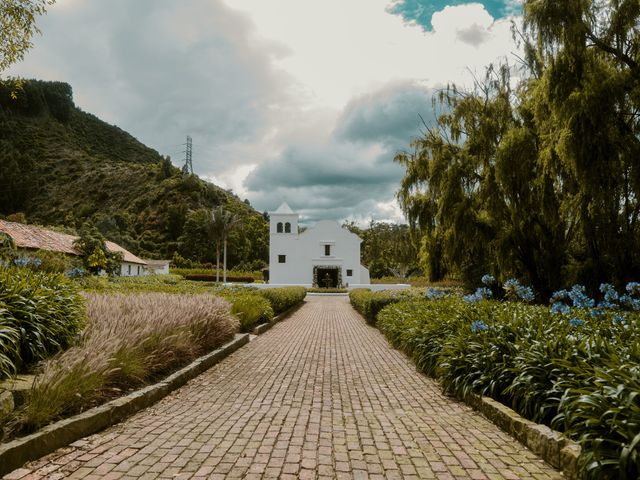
{"x":321,"y":395}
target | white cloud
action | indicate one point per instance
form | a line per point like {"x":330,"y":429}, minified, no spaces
{"x":319,"y":93}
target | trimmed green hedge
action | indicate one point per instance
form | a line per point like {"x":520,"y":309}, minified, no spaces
{"x":369,"y":303}
{"x":283,"y":299}
{"x":250,"y":309}
{"x":579,"y":375}
{"x":40,"y":314}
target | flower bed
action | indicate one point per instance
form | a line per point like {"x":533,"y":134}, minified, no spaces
{"x":129,"y":340}
{"x":574,"y":366}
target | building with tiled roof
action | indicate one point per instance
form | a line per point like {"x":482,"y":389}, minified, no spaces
{"x":31,"y":237}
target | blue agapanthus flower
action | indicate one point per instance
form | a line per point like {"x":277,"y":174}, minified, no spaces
{"x":630,"y":302}
{"x":488,"y":279}
{"x":607,"y":305}
{"x":576,"y":322}
{"x":619,"y":319}
{"x":479,"y":326}
{"x":560,"y":308}
{"x":525,"y":293}
{"x":434,"y":293}
{"x":76,"y":272}
{"x":21,"y":261}
{"x":512,"y":283}
{"x":579,"y":297}
{"x":610,"y":294}
{"x":559,"y":295}
{"x":482,"y":293}
{"x":633,"y":288}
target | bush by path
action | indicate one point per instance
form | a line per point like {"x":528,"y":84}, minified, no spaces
{"x":369,"y":303}
{"x":283,"y":299}
{"x":40,"y":314}
{"x":580,"y":374}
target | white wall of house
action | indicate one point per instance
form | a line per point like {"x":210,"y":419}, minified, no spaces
{"x":157,"y":269}
{"x":128,"y":269}
{"x":293,"y":256}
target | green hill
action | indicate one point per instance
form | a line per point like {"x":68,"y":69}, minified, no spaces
{"x":61,"y":166}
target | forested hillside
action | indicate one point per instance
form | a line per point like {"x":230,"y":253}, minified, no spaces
{"x":61,"y":166}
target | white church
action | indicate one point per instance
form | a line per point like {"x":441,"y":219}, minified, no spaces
{"x":326,"y":255}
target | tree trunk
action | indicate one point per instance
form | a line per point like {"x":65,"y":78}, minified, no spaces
{"x":224,"y":278}
{"x":217,"y":262}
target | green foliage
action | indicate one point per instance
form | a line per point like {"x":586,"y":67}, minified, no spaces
{"x":17,"y":27}
{"x":539,"y":182}
{"x":95,"y":255}
{"x":62,"y":166}
{"x":369,"y":303}
{"x":580,"y":378}
{"x":282,"y":299}
{"x":251,"y":310}
{"x":40,"y":314}
{"x":146,"y":284}
{"x":387,"y":249}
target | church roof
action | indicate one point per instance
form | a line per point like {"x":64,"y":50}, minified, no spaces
{"x":284,"y":209}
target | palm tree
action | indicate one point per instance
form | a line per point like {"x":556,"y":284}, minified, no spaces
{"x":222,"y":223}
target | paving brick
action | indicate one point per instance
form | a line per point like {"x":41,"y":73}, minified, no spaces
{"x":321,"y":395}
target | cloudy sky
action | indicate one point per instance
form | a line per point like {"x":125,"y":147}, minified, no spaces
{"x":297,"y":100}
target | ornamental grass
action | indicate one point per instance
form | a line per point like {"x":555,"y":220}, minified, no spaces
{"x":129,"y":341}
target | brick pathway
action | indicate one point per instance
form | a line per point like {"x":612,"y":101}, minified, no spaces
{"x":321,"y":395}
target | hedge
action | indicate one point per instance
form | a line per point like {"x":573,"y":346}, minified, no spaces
{"x":203,"y":277}
{"x":369,"y":303}
{"x":251,"y":309}
{"x":578,"y":374}
{"x":40,"y":314}
{"x":283,"y":299}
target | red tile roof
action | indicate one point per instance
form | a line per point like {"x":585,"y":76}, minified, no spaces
{"x":30,"y":236}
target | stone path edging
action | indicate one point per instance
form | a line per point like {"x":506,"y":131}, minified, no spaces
{"x":17,"y":452}
{"x":550,"y":445}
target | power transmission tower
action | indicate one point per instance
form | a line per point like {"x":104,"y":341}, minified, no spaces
{"x":188,"y":154}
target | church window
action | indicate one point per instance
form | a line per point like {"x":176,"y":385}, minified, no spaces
{"x":287,"y":227}
{"x":282,"y":259}
{"x":349,"y":273}
{"x":129,"y":270}
{"x":279,"y":227}
{"x":327,"y":250}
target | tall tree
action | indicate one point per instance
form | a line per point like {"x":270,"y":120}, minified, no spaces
{"x":223,"y":222}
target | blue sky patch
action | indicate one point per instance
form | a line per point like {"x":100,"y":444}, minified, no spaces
{"x":421,"y":11}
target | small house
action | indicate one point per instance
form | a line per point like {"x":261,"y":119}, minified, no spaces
{"x":31,"y":237}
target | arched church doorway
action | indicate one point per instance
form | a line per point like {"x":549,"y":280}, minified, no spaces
{"x":327,"y":276}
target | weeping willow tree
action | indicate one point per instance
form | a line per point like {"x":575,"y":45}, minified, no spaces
{"x":540,"y":181}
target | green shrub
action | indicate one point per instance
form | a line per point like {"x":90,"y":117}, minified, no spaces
{"x":283,"y":299}
{"x":40,"y":314}
{"x":250,"y":309}
{"x":369,"y":303}
{"x":580,"y":376}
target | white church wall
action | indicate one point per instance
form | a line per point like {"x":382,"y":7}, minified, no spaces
{"x":302,"y":252}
